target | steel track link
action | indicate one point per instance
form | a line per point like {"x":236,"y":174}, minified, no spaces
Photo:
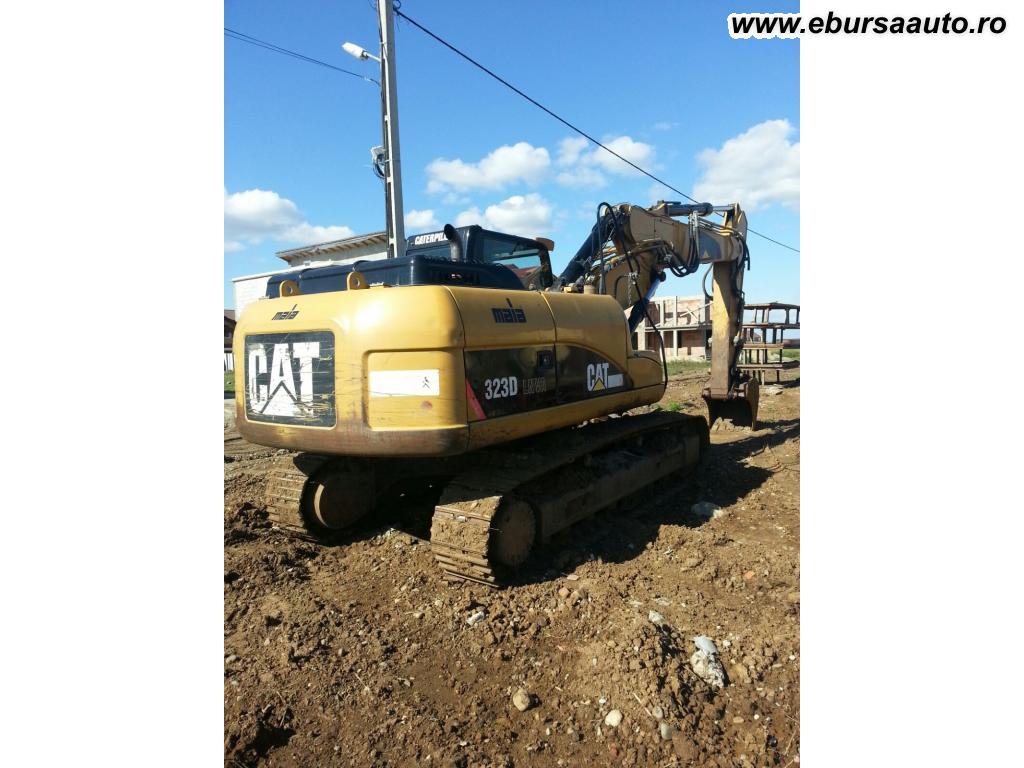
{"x":461,"y":531}
{"x":285,"y":487}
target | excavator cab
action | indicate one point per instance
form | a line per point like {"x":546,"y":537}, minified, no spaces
{"x":456,"y":256}
{"x":528,"y":260}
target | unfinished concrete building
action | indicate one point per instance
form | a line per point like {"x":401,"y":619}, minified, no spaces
{"x":684,"y":323}
{"x":765,"y":345}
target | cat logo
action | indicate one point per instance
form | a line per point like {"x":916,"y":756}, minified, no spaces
{"x":597,"y":377}
{"x":285,"y":393}
{"x":289,"y":378}
{"x":433,"y":237}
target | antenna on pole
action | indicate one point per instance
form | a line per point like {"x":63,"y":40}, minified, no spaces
{"x":389,"y":102}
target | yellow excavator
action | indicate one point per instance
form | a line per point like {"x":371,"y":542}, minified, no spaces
{"x":469,"y":367}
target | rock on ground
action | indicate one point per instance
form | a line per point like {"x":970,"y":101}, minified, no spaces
{"x":708,"y":668}
{"x":522,"y":700}
{"x":706,"y":509}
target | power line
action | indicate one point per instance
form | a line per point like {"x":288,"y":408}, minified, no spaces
{"x":244,"y":38}
{"x":565,"y":122}
{"x":241,"y":37}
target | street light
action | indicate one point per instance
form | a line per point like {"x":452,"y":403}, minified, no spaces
{"x":392,"y":166}
{"x":360,"y":53}
{"x":379,"y":154}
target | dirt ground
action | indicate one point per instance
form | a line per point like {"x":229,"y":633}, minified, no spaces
{"x":360,"y":654}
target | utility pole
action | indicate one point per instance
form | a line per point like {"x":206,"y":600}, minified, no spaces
{"x":389,"y":104}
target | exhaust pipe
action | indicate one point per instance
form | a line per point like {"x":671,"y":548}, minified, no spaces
{"x":454,"y":242}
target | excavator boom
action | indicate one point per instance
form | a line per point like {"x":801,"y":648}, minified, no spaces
{"x":627,"y":255}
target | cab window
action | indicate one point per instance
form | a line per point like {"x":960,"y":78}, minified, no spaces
{"x":527,"y":262}
{"x":439,"y":252}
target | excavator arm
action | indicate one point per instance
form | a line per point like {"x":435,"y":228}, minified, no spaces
{"x":629,"y":252}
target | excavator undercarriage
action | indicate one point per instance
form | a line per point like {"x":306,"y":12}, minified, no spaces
{"x":497,"y":503}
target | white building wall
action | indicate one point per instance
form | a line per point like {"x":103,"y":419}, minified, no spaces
{"x":248,"y":290}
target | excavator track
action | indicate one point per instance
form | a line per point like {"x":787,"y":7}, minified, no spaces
{"x":563,"y":476}
{"x":318,"y":498}
{"x":507,"y":498}
{"x":285,"y":487}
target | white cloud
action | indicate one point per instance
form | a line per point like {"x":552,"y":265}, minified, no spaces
{"x":570,"y":149}
{"x":581,"y":168}
{"x":755,"y":169}
{"x":468,"y":217}
{"x":520,"y":162}
{"x":664,"y":125}
{"x":582,"y":176}
{"x":635,"y":151}
{"x":308,"y":234}
{"x":255,"y":215}
{"x":525,"y":215}
{"x":451,"y":198}
{"x":421,"y":220}
{"x":658,"y":191}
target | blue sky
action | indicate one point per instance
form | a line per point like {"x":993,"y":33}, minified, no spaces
{"x":662,"y":82}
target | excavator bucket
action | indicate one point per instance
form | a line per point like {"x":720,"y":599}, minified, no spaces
{"x":739,"y":407}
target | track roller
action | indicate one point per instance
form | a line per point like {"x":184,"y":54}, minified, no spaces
{"x":316,"y":497}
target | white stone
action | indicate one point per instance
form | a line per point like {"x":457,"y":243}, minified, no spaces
{"x":522,"y":700}
{"x":706,"y":644}
{"x":613,"y":719}
{"x":708,"y":668}
{"x":706,"y":509}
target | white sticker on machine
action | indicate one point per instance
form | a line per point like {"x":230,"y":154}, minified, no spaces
{"x":425,"y":383}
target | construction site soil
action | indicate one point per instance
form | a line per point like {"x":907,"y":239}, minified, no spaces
{"x":359,"y":653}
